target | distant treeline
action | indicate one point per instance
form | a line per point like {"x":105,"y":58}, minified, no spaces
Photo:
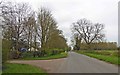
{"x":98,"y":46}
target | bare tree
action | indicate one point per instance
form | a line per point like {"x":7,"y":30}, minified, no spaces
{"x":88,"y":31}
{"x":14,"y":18}
{"x":30,"y":29}
{"x":47,"y":24}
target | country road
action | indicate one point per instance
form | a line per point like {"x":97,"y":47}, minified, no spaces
{"x":74,"y":63}
{"x":78,"y":63}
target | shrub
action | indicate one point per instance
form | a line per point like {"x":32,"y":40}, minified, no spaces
{"x":27,"y":54}
{"x":14,"y":54}
{"x":6,"y":45}
{"x":53,"y":51}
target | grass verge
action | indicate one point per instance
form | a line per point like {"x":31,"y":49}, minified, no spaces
{"x":107,"y":58}
{"x":61,"y":55}
{"x":22,"y":69}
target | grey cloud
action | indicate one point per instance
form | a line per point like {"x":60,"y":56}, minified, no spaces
{"x":69,"y":11}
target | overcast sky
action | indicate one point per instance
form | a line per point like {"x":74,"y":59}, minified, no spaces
{"x":68,"y":11}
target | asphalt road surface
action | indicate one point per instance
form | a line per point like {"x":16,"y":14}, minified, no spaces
{"x":78,"y":63}
{"x":74,"y":63}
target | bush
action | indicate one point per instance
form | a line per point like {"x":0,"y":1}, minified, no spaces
{"x":47,"y":52}
{"x":56,"y":51}
{"x":27,"y":54}
{"x":6,"y":45}
{"x":53,"y":51}
{"x":14,"y":54}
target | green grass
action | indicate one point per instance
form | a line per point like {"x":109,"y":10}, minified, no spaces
{"x":62,"y":55}
{"x":22,"y":68}
{"x":108,"y":58}
{"x":0,"y":72}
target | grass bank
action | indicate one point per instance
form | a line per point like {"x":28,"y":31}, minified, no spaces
{"x":57,"y":56}
{"x":22,"y":69}
{"x":104,"y":55}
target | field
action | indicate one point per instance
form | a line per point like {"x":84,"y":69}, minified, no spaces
{"x":110,"y":56}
